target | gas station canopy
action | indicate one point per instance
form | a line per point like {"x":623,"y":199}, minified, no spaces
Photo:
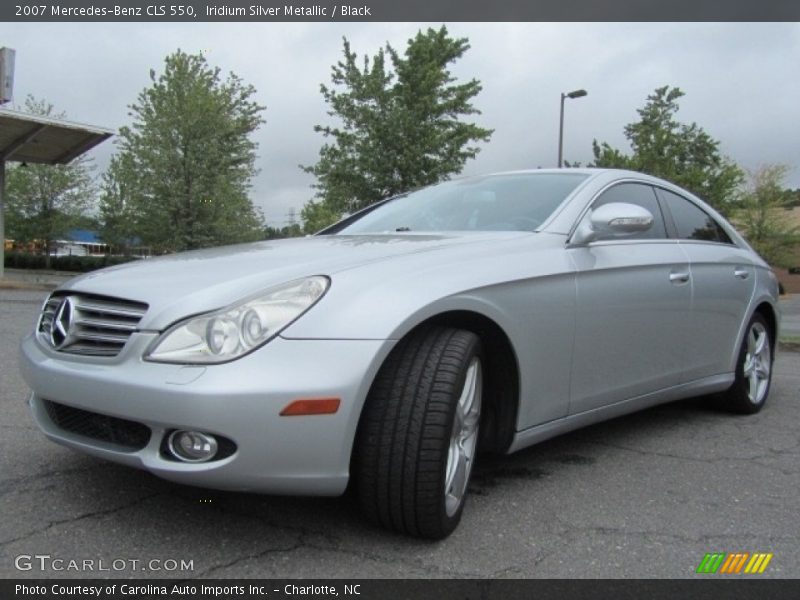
{"x":34,"y":139}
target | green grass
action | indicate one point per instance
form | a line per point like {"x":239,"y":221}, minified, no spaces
{"x":789,"y":342}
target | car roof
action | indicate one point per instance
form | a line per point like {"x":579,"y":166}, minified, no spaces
{"x":591,"y":172}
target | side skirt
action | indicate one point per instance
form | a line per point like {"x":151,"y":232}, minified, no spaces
{"x":545,"y":431}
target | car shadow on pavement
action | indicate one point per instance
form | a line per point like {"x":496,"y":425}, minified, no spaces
{"x":579,"y":448}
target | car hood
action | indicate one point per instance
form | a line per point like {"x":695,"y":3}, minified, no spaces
{"x":187,"y":283}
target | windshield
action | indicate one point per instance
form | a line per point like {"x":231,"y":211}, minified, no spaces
{"x":518,"y":202}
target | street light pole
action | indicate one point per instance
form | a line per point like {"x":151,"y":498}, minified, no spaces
{"x":6,"y":91}
{"x":561,"y":131}
{"x":2,"y":213}
{"x":571,"y":95}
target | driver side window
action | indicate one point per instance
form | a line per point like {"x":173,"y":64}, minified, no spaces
{"x":640,"y":195}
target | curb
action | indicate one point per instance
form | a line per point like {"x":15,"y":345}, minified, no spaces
{"x":6,"y":284}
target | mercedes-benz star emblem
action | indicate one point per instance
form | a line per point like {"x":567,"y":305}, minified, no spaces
{"x":62,"y":323}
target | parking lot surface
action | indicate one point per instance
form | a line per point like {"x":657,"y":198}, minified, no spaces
{"x":790,"y":324}
{"x":642,"y":496}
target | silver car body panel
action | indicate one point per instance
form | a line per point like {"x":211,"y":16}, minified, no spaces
{"x":240,"y":400}
{"x":581,"y":321}
{"x":620,"y":286}
{"x":720,"y":300}
{"x":188,"y":283}
{"x":545,"y":431}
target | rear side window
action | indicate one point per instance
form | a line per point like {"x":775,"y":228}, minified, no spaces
{"x":640,"y":195}
{"x":691,"y":221}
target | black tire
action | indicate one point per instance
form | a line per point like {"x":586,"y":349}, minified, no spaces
{"x":739,"y":398}
{"x":404,"y":436}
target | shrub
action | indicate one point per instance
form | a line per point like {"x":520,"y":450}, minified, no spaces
{"x":78,"y":264}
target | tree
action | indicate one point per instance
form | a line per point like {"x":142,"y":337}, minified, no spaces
{"x":117,"y":217}
{"x":317,"y":215}
{"x":291,"y":229}
{"x":683,"y":154}
{"x":182,"y":174}
{"x":287,"y":231}
{"x":761,"y":215}
{"x":45,"y":201}
{"x":399,"y":125}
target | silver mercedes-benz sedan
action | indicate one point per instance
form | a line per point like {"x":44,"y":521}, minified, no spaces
{"x":481,"y":314}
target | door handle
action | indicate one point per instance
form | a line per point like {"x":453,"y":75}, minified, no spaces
{"x":679,"y":276}
{"x":741,"y":273}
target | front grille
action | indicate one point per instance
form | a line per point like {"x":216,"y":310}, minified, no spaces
{"x":88,"y":324}
{"x":129,"y":434}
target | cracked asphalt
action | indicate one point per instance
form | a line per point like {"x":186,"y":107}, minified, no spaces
{"x":641,"y":496}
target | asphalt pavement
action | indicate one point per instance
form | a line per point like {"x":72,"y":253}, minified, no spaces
{"x":642,"y":496}
{"x":790,"y":322}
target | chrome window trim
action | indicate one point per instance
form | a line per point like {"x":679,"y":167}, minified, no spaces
{"x":710,"y":216}
{"x":568,"y":243}
{"x":599,"y":193}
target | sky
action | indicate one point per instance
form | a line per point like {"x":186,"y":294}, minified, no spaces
{"x":740,"y":79}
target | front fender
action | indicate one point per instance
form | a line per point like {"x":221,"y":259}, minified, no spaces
{"x":531,"y":297}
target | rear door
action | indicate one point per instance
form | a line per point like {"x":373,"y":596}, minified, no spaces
{"x":723,"y":279}
{"x":633,"y":310}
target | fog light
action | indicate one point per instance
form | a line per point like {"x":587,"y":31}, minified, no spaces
{"x":192,"y":446}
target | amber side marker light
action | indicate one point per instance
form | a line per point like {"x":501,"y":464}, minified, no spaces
{"x":311,"y":406}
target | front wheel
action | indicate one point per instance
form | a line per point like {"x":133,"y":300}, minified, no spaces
{"x":418,"y":434}
{"x":750,"y":390}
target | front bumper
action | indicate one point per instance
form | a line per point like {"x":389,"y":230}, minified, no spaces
{"x":240,"y":400}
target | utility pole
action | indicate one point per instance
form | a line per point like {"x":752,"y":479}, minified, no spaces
{"x":6,"y":94}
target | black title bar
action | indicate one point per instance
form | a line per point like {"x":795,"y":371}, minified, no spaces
{"x":399,"y":10}
{"x":711,"y":588}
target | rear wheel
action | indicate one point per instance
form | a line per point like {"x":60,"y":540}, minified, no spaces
{"x":750,"y":390}
{"x":418,"y":433}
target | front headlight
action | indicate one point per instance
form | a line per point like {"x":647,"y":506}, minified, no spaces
{"x":232,"y":332}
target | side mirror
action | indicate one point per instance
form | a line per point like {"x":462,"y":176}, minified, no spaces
{"x":612,"y":220}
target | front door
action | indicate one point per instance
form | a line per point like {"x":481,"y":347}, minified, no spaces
{"x":633,"y":313}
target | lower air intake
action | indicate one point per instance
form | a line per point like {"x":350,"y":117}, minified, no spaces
{"x":121,"y":432}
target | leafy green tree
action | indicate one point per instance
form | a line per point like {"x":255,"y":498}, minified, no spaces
{"x":681,"y":153}
{"x":182,"y":175}
{"x":279,"y":233}
{"x":761,"y":216}
{"x":399,"y":125}
{"x":117,"y":217}
{"x":45,"y":201}
{"x":318,"y":214}
{"x":291,"y":229}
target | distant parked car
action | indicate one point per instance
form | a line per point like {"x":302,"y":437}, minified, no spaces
{"x":486,"y":313}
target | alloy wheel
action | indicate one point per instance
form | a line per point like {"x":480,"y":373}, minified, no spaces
{"x":757,"y":362}
{"x":464,"y":438}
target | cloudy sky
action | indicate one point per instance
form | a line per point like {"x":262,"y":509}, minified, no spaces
{"x":741,"y":83}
